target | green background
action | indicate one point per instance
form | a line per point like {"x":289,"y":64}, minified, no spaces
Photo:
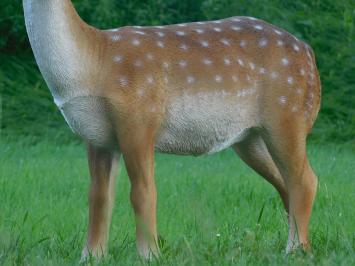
{"x":327,"y":25}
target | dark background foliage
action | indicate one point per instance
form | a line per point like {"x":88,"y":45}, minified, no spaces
{"x":327,"y":25}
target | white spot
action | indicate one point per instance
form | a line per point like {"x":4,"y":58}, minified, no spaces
{"x":114,"y":30}
{"x":262,"y":70}
{"x":160,"y":44}
{"x":285,"y":61}
{"x":136,"y":42}
{"x":240,"y":62}
{"x":280,"y":43}
{"x":296,"y":39}
{"x":236,"y":19}
{"x":248,"y":78}
{"x":139,"y":32}
{"x":251,"y":18}
{"x":165,"y":65}
{"x":296,"y":47}
{"x":160,"y":27}
{"x":234,"y":78}
{"x":290,"y":80}
{"x":204,"y":43}
{"x":184,"y":47}
{"x":117,"y":58}
{"x":236,"y":28}
{"x":277,"y":32}
{"x":123,"y":81}
{"x":302,"y":72}
{"x":116,"y":38}
{"x":166,"y":79}
{"x":150,"y":56}
{"x":309,"y":55}
{"x":252,"y":65}
{"x":282,"y":100}
{"x":306,"y":114}
{"x":200,"y":23}
{"x":274,"y":74}
{"x":190,"y":79}
{"x":217,"y":21}
{"x":150,"y":79}
{"x":245,"y":92}
{"x":299,"y":91}
{"x":138,"y":63}
{"x":183,"y":63}
{"x":227,"y":61}
{"x":180,"y":33}
{"x":160,"y":34}
{"x":294,"y":109}
{"x":243,"y":43}
{"x":153,"y":108}
{"x":216,"y":29}
{"x":258,"y":27}
{"x":137,"y":27}
{"x":140,"y":92}
{"x":181,"y":25}
{"x":199,"y":31}
{"x":263,"y":42}
{"x":207,"y":61}
{"x":225,"y":42}
{"x":218,"y":78}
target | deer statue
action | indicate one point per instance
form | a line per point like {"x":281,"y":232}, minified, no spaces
{"x":189,"y":89}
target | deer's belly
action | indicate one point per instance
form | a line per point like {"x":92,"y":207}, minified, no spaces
{"x":88,"y":116}
{"x":197,"y":127}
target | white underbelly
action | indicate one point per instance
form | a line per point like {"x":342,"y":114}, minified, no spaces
{"x":193,"y":125}
{"x":205,"y":124}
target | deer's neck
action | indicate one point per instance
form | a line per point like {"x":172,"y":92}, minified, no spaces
{"x":63,"y":45}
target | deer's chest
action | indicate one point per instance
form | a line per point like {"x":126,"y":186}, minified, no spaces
{"x":89,"y":117}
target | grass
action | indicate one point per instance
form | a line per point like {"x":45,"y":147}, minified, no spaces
{"x":327,"y":25}
{"x":212,"y":210}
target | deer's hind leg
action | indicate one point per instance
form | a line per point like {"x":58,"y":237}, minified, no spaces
{"x":287,"y":146}
{"x":253,"y":152}
{"x":103,"y":165}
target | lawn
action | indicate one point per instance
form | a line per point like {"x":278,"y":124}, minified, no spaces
{"x":212,"y":210}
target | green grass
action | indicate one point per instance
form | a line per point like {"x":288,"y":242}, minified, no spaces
{"x":327,"y":25}
{"x":208,"y":210}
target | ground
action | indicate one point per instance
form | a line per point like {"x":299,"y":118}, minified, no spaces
{"x":212,"y":210}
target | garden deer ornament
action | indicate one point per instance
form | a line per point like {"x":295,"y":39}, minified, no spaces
{"x":190,"y":89}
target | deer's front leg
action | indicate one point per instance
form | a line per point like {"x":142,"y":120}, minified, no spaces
{"x":138,"y":153}
{"x":103,"y":169}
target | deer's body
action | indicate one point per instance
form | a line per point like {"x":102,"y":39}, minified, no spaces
{"x":192,"y":88}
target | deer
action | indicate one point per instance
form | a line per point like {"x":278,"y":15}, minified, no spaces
{"x":188,"y":89}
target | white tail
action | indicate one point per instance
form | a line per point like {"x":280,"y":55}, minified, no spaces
{"x":191,"y":88}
